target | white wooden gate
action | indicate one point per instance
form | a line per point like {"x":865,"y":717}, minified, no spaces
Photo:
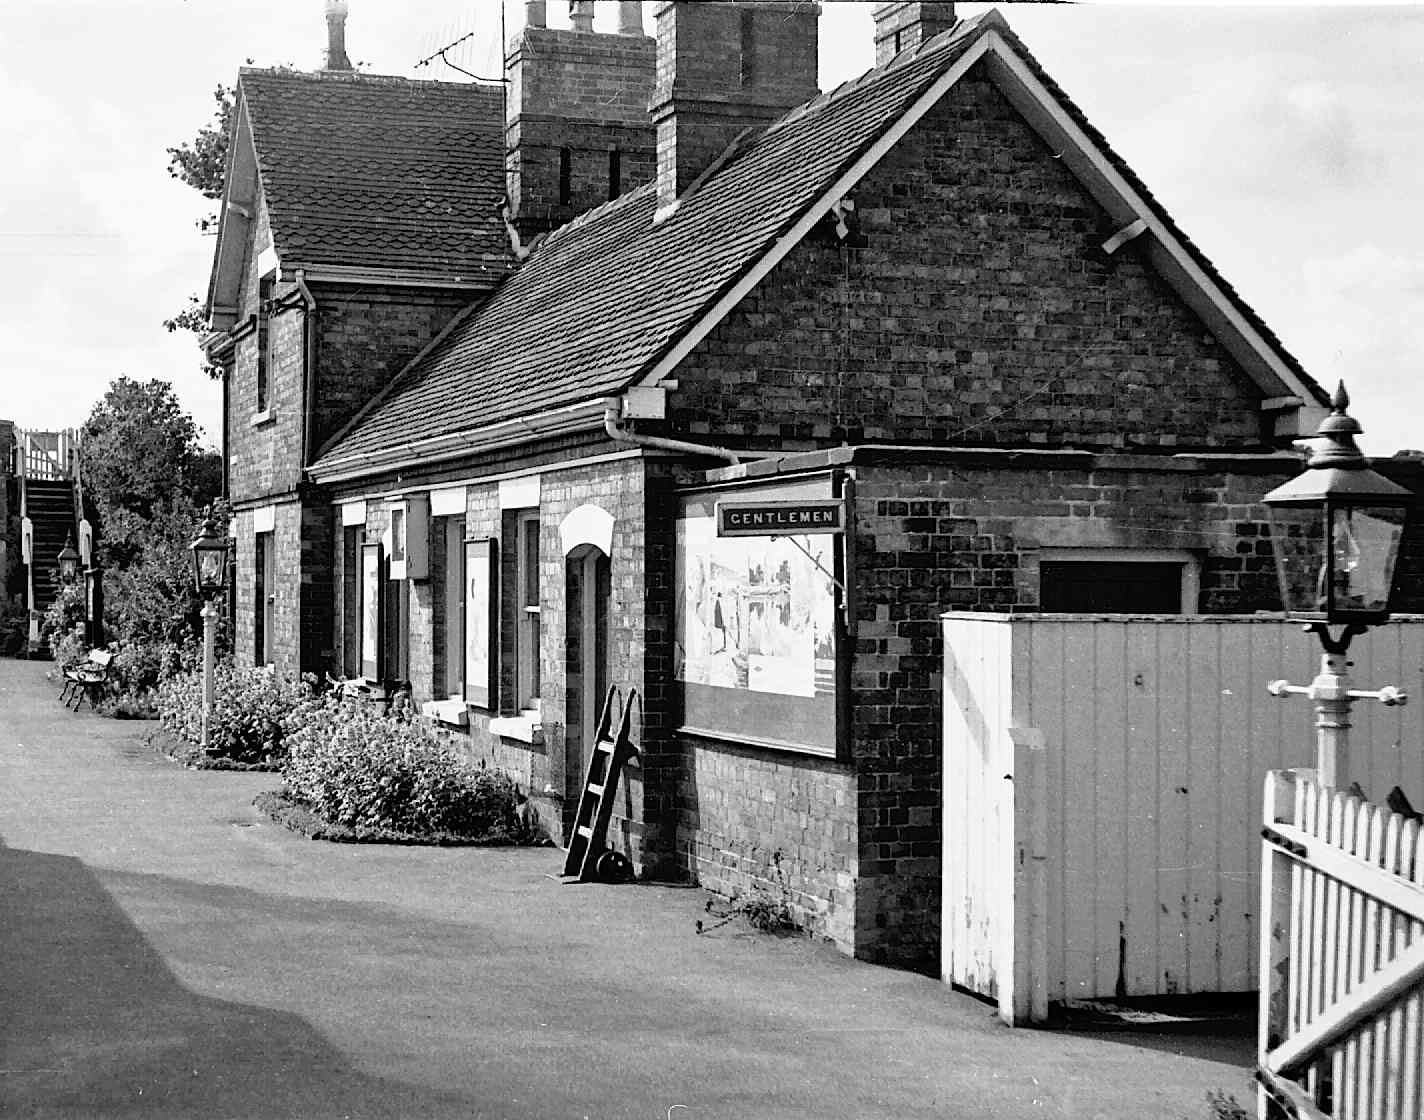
{"x":1342,"y":956}
{"x":1102,"y":784}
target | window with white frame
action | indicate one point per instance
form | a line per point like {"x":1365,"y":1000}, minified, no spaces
{"x":526,"y":604}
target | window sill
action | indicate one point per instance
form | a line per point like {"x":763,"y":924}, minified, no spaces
{"x":453,"y":713}
{"x":262,"y":418}
{"x":525,"y":727}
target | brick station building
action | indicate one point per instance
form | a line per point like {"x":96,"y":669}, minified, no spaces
{"x":481,"y":426}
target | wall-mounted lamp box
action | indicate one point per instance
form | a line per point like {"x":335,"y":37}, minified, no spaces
{"x":410,"y":537}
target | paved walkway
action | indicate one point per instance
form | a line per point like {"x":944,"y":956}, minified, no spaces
{"x":167,"y":952}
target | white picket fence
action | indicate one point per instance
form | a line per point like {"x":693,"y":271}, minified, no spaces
{"x":1342,"y":956}
{"x":1102,"y":794}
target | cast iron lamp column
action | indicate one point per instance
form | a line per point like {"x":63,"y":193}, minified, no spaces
{"x":1335,"y":531}
{"x":209,"y":576}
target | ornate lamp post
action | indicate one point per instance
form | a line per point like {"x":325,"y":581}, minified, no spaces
{"x":1336,"y":531}
{"x":68,"y":561}
{"x":209,"y":577}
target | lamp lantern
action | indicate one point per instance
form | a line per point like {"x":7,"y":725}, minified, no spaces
{"x":68,"y":561}
{"x":209,"y":558}
{"x":1336,"y":530}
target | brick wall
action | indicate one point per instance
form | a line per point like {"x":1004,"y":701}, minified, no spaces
{"x":981,"y":310}
{"x":365,"y":336}
{"x":287,"y":541}
{"x":965,"y":536}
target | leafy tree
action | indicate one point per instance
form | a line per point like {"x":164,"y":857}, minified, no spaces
{"x":141,"y":464}
{"x":202,"y":164}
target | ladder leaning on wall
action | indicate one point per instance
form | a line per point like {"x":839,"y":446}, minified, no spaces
{"x":589,"y":856}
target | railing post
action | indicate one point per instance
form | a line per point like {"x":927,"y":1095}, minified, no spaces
{"x":1278,"y":807}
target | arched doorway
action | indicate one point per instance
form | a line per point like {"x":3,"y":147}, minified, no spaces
{"x":588,"y":588}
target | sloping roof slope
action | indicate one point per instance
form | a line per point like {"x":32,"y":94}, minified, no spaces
{"x":603,"y":298}
{"x":376,"y":172}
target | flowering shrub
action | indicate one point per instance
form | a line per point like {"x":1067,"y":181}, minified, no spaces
{"x":62,"y":628}
{"x":354,"y":765}
{"x":139,"y":668}
{"x":250,"y":710}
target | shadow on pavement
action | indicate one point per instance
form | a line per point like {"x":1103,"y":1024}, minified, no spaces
{"x":92,"y":1023}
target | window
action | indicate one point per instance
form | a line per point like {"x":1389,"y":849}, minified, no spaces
{"x":526,"y":605}
{"x":453,"y":599}
{"x":265,"y":600}
{"x":566,"y":176}
{"x":1109,"y":581}
{"x":615,"y":173}
{"x":264,"y":346}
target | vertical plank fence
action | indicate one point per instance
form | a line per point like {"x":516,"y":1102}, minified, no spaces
{"x":1102,"y":794}
{"x":1342,"y":956}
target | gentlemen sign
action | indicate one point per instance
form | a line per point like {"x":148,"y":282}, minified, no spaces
{"x":773,"y":519}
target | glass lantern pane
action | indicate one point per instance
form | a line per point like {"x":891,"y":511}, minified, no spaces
{"x":1298,"y":541}
{"x":1364,"y":543}
{"x":210,"y":568}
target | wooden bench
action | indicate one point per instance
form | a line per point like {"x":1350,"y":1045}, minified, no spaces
{"x":86,"y":679}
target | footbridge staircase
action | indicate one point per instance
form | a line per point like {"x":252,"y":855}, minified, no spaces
{"x":47,"y":488}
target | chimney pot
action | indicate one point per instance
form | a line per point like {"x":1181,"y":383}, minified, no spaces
{"x":630,"y":18}
{"x":536,"y":13}
{"x":336,"y":35}
{"x":581,"y":15}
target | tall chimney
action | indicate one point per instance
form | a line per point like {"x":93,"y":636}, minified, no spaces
{"x":336,"y":36}
{"x":630,"y":17}
{"x":536,"y":13}
{"x":903,"y":26}
{"x":581,"y":15}
{"x":723,"y":67}
{"x":578,"y":131}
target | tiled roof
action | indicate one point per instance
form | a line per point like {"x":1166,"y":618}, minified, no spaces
{"x":603,"y":298}
{"x":378,"y":172}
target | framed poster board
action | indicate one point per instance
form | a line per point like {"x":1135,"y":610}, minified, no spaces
{"x":480,"y":606}
{"x":370,"y":591}
{"x":758,"y":637}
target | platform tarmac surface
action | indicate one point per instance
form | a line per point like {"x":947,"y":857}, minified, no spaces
{"x":167,"y":951}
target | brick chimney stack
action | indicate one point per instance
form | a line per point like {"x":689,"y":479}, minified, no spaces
{"x":904,"y":26}
{"x":723,"y":67}
{"x":578,"y":132}
{"x":336,"y":36}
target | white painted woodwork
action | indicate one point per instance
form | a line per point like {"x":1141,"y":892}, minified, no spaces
{"x":519,"y":493}
{"x":1343,"y":896}
{"x":1157,"y":736}
{"x":449,"y":502}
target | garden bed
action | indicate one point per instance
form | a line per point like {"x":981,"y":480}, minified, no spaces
{"x":299,"y":817}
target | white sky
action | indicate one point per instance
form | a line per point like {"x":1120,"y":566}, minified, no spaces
{"x":1285,"y":140}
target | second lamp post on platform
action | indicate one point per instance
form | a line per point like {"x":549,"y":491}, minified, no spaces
{"x":1336,"y":531}
{"x":209,"y":577}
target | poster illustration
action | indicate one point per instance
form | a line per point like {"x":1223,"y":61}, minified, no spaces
{"x":755,"y":613}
